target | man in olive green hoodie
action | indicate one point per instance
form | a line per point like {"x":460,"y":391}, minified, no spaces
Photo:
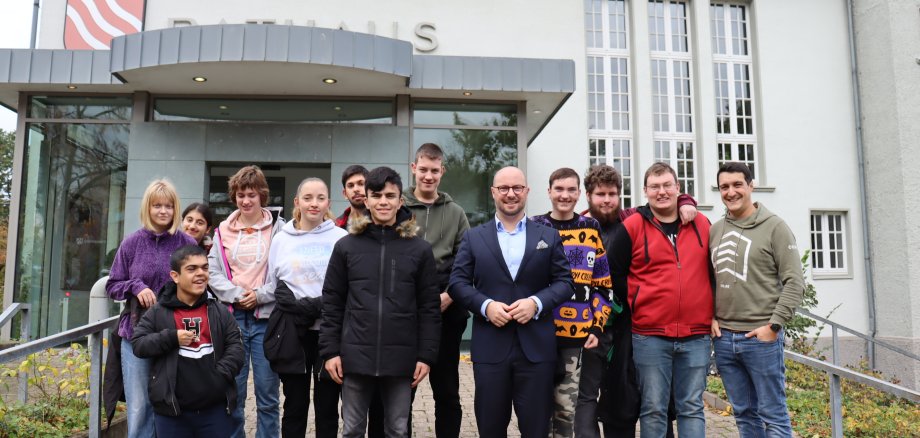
{"x":759,"y":284}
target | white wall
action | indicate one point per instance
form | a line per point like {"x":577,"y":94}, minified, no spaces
{"x":802,"y":80}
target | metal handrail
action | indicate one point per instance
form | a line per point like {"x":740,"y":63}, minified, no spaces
{"x":95,"y":331}
{"x":11,"y":311}
{"x":25,"y":325}
{"x":837,"y":326}
{"x":834,"y":373}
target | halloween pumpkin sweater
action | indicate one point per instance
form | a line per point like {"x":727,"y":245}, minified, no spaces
{"x":588,"y":309}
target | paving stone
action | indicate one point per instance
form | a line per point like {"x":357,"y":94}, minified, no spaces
{"x":717,"y":425}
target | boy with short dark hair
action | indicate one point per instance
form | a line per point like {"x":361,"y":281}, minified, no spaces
{"x":380,"y":285}
{"x":196,"y":350}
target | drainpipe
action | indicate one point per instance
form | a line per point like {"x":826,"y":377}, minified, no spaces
{"x":864,"y":199}
{"x":35,"y":8}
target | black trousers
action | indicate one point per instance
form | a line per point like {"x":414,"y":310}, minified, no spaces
{"x":445,"y":386}
{"x":296,"y":388}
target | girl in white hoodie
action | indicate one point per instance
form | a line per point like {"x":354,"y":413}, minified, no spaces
{"x":297,"y":263}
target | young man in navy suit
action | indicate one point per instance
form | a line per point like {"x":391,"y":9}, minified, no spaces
{"x":511,"y":273}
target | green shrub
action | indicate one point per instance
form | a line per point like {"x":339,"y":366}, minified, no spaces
{"x":58,"y":391}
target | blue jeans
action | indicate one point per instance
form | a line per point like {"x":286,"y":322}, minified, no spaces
{"x":135,"y":373}
{"x":663,"y":364}
{"x":754,"y":376}
{"x":266,"y":381}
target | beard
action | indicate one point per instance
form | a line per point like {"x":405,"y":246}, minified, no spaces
{"x":604,"y":218}
{"x":357,"y":206}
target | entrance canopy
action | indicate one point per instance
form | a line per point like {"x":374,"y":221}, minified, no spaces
{"x":281,"y":61}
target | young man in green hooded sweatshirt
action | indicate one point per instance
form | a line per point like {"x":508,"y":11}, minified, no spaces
{"x":758,"y":287}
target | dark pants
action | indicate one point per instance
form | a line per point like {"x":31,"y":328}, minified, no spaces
{"x":526,"y":385}
{"x":593,"y":365}
{"x":445,"y":386}
{"x":357,"y":392}
{"x":296,"y":388}
{"x":206,"y":423}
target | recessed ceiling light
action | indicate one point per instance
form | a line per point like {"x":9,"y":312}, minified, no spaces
{"x":200,"y":79}
{"x":338,"y":108}
{"x":223,"y":107}
{"x":71,"y":87}
{"x":537,"y":112}
{"x":467,"y":93}
{"x":329,"y":80}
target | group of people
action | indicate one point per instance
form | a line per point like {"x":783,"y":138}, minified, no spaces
{"x":606,"y":316}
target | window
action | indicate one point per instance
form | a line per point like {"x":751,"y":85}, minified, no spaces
{"x":478,"y":140}
{"x":732,"y":73}
{"x":672,"y":105}
{"x":829,"y":252}
{"x":609,"y":130}
{"x":72,"y":205}
{"x":280,"y":111}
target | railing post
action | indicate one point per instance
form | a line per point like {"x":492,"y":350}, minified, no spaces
{"x":836,"y":406}
{"x":95,"y":383}
{"x":25,"y":326}
{"x":835,"y":346}
{"x":871,"y":352}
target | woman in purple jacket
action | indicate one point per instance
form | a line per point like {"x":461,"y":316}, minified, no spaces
{"x":140,"y":270}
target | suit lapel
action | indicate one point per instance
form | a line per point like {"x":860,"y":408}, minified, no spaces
{"x":491,"y":238}
{"x":533,"y":236}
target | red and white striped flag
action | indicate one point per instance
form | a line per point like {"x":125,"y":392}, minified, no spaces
{"x":91,"y":24}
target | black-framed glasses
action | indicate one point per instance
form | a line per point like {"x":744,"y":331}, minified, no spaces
{"x":504,"y":189}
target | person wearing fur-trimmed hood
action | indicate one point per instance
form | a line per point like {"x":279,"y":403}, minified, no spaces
{"x":381,"y":314}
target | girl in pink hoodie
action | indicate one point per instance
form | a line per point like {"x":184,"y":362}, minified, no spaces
{"x":238,"y":262}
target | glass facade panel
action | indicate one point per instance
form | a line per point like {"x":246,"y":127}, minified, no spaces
{"x":465,"y":114}
{"x":78,"y":107}
{"x":71,"y":217}
{"x":288,"y":111}
{"x":472,"y":156}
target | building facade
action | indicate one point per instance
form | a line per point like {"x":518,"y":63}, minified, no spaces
{"x":115,"y":96}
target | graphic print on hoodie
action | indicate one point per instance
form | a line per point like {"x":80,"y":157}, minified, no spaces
{"x":198,"y":385}
{"x":247,"y":249}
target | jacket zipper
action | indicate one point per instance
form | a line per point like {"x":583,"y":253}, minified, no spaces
{"x":427,"y":216}
{"x":635,"y":298}
{"x":680,"y":282}
{"x":381,"y":289}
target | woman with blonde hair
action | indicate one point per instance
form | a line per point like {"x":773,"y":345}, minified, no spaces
{"x":139,"y":271}
{"x":297,"y":268}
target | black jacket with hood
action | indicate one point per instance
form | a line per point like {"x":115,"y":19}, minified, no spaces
{"x":381,"y":304}
{"x":287,"y":328}
{"x":155,"y":338}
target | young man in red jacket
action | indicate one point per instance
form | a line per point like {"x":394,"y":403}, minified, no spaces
{"x":663,"y":268}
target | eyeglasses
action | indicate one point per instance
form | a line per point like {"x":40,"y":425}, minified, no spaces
{"x":657,"y":188}
{"x":504,"y":189}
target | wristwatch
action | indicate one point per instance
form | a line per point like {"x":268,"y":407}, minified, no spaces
{"x":776,"y":327}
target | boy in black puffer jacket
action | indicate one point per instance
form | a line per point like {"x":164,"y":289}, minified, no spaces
{"x":197,"y":352}
{"x":381,"y":309}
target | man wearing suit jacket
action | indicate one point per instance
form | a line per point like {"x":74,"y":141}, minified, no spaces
{"x":511,"y":273}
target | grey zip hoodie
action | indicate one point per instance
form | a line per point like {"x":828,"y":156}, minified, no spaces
{"x":758,"y":271}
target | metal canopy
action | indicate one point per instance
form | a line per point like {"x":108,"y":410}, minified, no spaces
{"x":278,"y":60}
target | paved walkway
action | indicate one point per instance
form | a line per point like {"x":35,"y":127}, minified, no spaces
{"x":717,"y":425}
